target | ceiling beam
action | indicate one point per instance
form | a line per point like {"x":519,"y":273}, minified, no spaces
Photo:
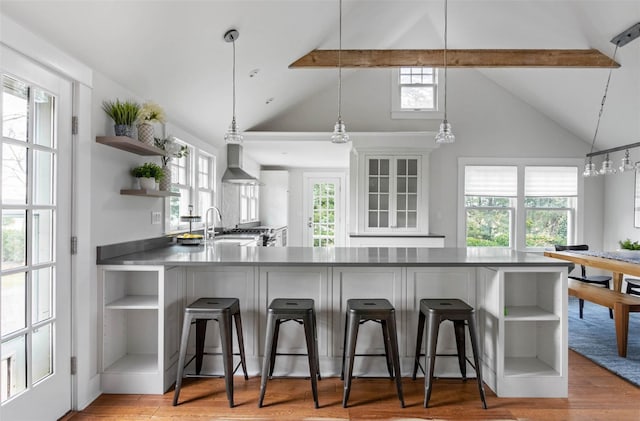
{"x":590,"y":58}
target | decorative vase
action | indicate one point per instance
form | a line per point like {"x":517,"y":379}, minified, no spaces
{"x":123,"y":130}
{"x":165,"y":182}
{"x":145,"y":133}
{"x":147,"y":183}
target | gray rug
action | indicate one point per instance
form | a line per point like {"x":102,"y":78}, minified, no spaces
{"x":594,"y":336}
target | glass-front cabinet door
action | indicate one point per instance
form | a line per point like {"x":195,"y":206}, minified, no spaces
{"x":392,"y":193}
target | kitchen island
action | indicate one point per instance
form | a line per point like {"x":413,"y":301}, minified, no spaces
{"x":520,"y":300}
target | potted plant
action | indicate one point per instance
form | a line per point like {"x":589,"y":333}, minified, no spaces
{"x":170,"y":145}
{"x":148,"y":174}
{"x":123,"y":114}
{"x":150,"y":113}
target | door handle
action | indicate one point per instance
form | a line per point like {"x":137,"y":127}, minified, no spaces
{"x":310,"y":223}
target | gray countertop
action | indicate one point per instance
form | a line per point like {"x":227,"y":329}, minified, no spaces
{"x":225,"y":254}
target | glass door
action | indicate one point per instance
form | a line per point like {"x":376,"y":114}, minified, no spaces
{"x":322,"y":208}
{"x":35,"y":284}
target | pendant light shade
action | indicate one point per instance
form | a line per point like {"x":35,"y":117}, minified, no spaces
{"x":233,"y":135}
{"x":625,"y":163}
{"x":339,"y":130}
{"x":590,"y":169}
{"x":445,"y":134}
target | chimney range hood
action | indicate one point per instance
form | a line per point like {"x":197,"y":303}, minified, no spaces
{"x":234,"y":173}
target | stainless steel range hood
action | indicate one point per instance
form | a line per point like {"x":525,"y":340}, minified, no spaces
{"x":234,"y":173}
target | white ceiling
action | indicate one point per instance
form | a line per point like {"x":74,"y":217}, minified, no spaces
{"x":172,"y":52}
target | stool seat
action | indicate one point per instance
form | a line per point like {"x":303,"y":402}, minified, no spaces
{"x":282,"y":310}
{"x":223,"y":310}
{"x":434,"y":311}
{"x":360,"y":311}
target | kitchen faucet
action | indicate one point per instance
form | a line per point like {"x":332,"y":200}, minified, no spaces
{"x":213,"y":222}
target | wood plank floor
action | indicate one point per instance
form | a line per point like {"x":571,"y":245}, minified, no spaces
{"x":594,"y":394}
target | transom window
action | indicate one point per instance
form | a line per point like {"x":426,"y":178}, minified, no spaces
{"x":418,"y":88}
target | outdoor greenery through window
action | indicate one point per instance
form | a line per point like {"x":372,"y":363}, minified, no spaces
{"x":547,"y":199}
{"x":324,"y":214}
{"x":418,"y":88}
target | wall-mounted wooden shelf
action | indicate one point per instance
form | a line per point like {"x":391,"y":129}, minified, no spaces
{"x":130,"y":145}
{"x":149,"y":193}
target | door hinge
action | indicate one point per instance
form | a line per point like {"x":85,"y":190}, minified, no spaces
{"x":74,"y":245}
{"x":74,"y":124}
{"x":74,"y":366}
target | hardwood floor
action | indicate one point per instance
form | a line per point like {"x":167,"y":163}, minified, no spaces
{"x":594,"y":394}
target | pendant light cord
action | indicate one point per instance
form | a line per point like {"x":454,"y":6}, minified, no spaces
{"x":340,"y":63}
{"x":445,"y":60}
{"x":604,"y":98}
{"x":234,"y":79}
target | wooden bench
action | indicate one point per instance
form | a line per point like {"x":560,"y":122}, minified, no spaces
{"x":622,"y":305}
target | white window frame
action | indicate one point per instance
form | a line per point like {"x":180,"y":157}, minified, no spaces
{"x":249,"y":194}
{"x":211,"y":190}
{"x":518,"y":228}
{"x":397,"y":112}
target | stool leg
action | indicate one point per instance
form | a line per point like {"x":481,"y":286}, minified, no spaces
{"x":387,"y":347}
{"x":395,"y":354}
{"x":186,"y":326}
{"x":274,"y":349}
{"x":227,"y":353}
{"x":458,"y":326}
{"x":418,"y":344}
{"x":201,"y":330}
{"x":351,"y":335}
{"x":313,"y":370}
{"x":238,"y":321}
{"x":476,"y":358}
{"x":315,"y":343}
{"x":344,"y":345}
{"x":433,"y":326}
{"x":581,"y":303}
{"x":266,"y":362}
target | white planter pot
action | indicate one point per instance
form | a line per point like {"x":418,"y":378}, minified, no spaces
{"x":147,"y":183}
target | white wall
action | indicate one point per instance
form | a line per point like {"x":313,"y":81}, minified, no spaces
{"x":488,"y":122}
{"x":619,"y":213}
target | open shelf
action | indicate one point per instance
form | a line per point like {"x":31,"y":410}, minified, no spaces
{"x":527,"y":367}
{"x":528,"y":313}
{"x":130,"y":145}
{"x":134,"y":363}
{"x":134,"y":302}
{"x":149,"y":193}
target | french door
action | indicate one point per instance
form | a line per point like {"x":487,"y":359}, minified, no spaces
{"x":35,"y":200}
{"x":323,"y":211}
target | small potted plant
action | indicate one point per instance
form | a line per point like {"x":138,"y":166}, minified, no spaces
{"x":174,"y":150}
{"x":123,"y":114}
{"x":150,"y":113}
{"x":148,"y":174}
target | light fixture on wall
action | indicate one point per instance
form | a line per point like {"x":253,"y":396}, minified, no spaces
{"x":607,"y":168}
{"x":233,"y":134}
{"x":339,"y":131}
{"x":445,"y":135}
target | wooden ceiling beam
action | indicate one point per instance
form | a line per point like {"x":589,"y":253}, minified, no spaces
{"x":589,"y":58}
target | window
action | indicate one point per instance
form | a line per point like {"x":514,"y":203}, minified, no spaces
{"x":550,"y":202}
{"x":527,"y":207}
{"x":414,"y":92}
{"x":193,"y":177}
{"x":248,"y":203}
{"x":489,"y":196}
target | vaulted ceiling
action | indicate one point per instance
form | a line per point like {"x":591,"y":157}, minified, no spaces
{"x":173,"y":52}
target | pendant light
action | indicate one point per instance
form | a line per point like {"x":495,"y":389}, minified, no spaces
{"x":233,"y":134}
{"x":339,"y":131}
{"x":626,"y":164}
{"x":445,"y":135}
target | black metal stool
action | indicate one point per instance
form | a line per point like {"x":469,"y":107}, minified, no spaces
{"x":360,"y":311}
{"x":459,"y":312}
{"x":282,"y":310}
{"x":200,"y":312}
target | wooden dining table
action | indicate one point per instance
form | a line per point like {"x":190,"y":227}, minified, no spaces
{"x":617,"y":267}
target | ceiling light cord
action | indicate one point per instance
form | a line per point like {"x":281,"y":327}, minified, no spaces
{"x":234,"y":80}
{"x":340,"y":63}
{"x":445,"y":60}
{"x":604,"y":98}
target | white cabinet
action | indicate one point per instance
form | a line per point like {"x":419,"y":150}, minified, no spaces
{"x":141,"y":313}
{"x":524,"y":326}
{"x":274,"y":198}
